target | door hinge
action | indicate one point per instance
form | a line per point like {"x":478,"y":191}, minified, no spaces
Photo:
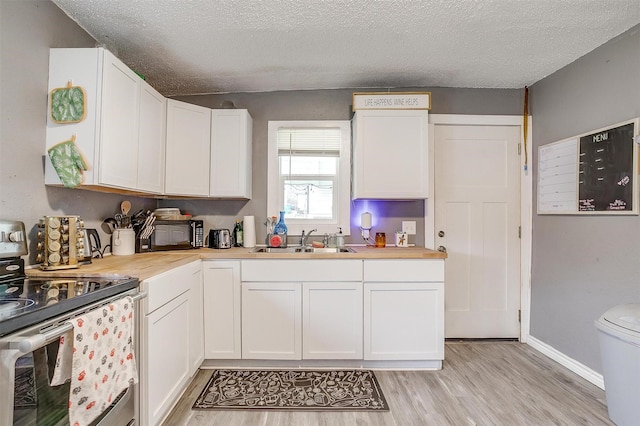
{"x":519,"y":149}
{"x":520,"y":232}
{"x":519,"y":315}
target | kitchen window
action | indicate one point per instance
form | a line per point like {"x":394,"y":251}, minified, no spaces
{"x":309,"y":165}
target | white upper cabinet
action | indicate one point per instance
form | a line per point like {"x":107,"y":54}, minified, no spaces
{"x":231,"y":142}
{"x":120,"y":96}
{"x":152,"y":122}
{"x":109,"y":136}
{"x":390,"y":154}
{"x":188,"y":149}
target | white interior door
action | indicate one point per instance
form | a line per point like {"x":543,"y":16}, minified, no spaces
{"x":477,"y":219}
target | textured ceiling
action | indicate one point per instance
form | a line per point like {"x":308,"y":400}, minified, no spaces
{"x":213,"y":46}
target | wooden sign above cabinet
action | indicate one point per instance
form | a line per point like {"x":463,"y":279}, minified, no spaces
{"x":391,"y":100}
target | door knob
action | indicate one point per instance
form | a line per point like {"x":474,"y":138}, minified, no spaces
{"x":441,"y":234}
{"x":443,"y":249}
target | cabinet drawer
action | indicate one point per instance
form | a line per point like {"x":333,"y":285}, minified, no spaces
{"x":301,"y":270}
{"x":166,"y":286}
{"x":404,"y":270}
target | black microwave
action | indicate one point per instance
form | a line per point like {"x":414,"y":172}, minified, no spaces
{"x":177,"y":234}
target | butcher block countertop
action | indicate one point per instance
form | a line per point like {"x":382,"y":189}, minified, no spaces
{"x":146,"y":265}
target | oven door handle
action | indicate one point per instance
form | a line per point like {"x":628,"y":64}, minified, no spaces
{"x":31,"y":343}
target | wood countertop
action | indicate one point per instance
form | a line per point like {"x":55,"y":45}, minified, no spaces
{"x":146,"y":265}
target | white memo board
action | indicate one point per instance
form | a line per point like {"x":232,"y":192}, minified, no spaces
{"x":592,"y":173}
{"x":558,"y":177}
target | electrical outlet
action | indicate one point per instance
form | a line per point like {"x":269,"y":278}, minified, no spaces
{"x":409,"y":226}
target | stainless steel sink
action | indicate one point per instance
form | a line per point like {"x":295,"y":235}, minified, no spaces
{"x":299,"y":249}
{"x":329,"y":250}
{"x":276,"y":250}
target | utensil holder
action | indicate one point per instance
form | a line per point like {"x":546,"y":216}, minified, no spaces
{"x":123,"y":242}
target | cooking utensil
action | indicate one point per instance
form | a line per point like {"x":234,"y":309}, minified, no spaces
{"x":109,"y":225}
{"x":125,"y":207}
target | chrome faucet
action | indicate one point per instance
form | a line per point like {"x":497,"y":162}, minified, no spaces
{"x":304,"y":237}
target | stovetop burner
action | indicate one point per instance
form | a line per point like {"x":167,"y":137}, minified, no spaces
{"x":11,"y":307}
{"x":28,"y":301}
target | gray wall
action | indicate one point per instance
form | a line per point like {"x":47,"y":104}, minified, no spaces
{"x":331,"y":105}
{"x":583,"y":265}
{"x":28,"y":30}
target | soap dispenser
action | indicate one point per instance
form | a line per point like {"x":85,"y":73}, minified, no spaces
{"x":340,"y":238}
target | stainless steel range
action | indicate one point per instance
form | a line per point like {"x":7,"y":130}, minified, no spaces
{"x":34,"y":314}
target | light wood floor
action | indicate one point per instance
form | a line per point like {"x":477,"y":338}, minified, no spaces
{"x":481,"y":383}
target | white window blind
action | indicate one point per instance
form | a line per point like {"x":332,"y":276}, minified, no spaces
{"x":309,"y":141}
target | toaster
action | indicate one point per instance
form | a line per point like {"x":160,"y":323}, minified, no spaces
{"x":220,"y":238}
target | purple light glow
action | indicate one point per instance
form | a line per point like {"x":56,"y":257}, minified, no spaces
{"x":360,"y":206}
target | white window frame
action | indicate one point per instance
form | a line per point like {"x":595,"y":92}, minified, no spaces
{"x":274,"y":192}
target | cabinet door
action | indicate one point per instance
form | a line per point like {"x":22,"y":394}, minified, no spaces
{"x":188,"y":149}
{"x":222,"y":285}
{"x":152,"y":120}
{"x":332,"y":320}
{"x":231,"y":142}
{"x":390,"y":154}
{"x":165,"y":361}
{"x":83,"y":67}
{"x":193,"y":273}
{"x":403,"y":321}
{"x":271,"y":320}
{"x":119,"y":125}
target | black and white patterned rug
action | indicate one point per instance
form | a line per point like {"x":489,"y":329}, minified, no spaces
{"x":338,"y":390}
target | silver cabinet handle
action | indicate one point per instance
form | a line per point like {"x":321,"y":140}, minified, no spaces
{"x":442,"y":249}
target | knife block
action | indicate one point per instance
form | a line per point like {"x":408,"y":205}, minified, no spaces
{"x":143,"y":245}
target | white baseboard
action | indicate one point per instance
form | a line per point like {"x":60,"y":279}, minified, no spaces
{"x":570,"y":363}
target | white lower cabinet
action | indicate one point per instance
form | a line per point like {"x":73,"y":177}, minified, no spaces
{"x":301,"y":309}
{"x":167,"y":367}
{"x":196,"y":322}
{"x":332,"y":320}
{"x":271,"y":320}
{"x":167,"y":342}
{"x":404,"y":310}
{"x":325,"y":309}
{"x":222,"y":309}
